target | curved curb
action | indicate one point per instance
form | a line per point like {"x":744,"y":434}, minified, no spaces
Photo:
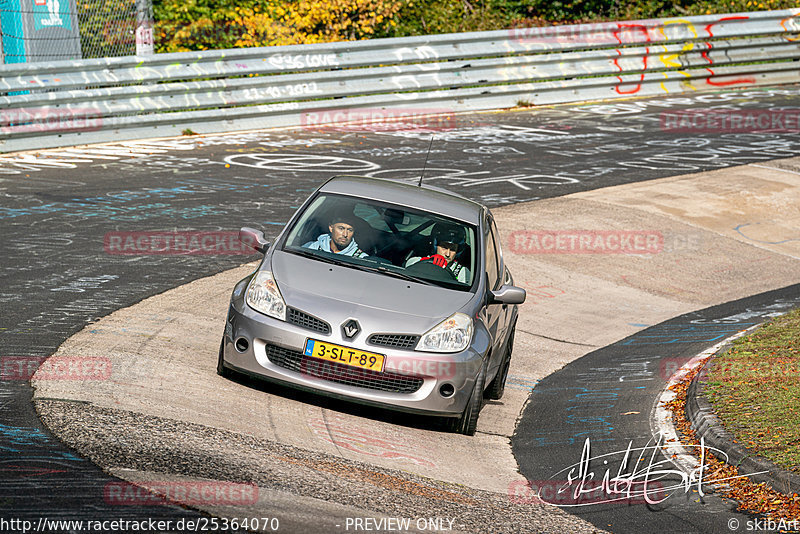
{"x":708,"y":426}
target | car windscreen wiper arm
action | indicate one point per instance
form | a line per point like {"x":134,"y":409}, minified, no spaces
{"x":368,"y":268}
{"x":308,"y":254}
{"x":404,"y":276}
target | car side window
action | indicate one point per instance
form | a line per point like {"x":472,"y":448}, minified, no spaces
{"x":492,"y":263}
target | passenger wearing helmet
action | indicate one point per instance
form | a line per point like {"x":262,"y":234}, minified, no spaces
{"x":340,"y":239}
{"x":447,"y":240}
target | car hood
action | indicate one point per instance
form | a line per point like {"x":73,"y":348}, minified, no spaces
{"x":322,"y":288}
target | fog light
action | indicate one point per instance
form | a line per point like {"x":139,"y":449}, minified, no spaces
{"x":446,"y":390}
{"x":241,"y":344}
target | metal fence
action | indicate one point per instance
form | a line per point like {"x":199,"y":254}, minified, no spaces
{"x":48,"y":30}
{"x":107,"y":27}
{"x":65,"y":103}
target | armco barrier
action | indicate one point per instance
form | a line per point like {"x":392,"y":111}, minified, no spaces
{"x":96,"y":100}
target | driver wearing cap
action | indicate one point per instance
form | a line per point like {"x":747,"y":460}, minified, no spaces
{"x":447,"y":239}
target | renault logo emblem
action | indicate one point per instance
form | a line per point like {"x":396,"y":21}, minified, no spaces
{"x":350,"y":329}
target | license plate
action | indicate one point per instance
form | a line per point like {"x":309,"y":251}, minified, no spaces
{"x":344,"y":355}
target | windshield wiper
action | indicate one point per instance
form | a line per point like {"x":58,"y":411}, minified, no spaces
{"x":400,"y":275}
{"x":308,"y":254}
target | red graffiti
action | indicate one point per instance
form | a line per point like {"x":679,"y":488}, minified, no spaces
{"x":710,"y":33}
{"x":643,"y":29}
{"x":723,"y":19}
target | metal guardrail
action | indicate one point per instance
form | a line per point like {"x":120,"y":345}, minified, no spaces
{"x":66,"y":103}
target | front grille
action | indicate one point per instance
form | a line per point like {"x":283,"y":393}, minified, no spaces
{"x":304,"y":320}
{"x":341,"y":374}
{"x":397,"y":341}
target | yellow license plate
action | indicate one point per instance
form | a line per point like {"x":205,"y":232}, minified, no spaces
{"x":344,"y":355}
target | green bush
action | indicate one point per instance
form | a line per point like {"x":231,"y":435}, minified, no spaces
{"x":107,"y":27}
{"x":205,"y":24}
{"x":424,"y":17}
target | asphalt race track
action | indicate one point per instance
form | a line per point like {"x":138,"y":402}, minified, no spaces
{"x":607,"y":397}
{"x":60,"y":275}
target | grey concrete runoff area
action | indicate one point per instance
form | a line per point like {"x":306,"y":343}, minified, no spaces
{"x":164,"y":416}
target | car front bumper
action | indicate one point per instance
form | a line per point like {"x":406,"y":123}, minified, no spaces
{"x":412,"y":381}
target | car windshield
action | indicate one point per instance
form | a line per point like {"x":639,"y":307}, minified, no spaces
{"x":388,"y":239}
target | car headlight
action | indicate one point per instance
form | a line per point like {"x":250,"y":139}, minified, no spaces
{"x":451,"y":335}
{"x":263,"y":296}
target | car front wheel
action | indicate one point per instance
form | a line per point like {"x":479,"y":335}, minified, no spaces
{"x":498,"y":386}
{"x":468,"y":422}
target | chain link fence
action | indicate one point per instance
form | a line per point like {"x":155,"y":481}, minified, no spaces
{"x":107,"y":27}
{"x":46,"y":30}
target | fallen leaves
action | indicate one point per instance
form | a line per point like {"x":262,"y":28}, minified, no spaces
{"x":751,"y":497}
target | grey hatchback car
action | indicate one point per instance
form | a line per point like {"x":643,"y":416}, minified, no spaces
{"x":383,"y":293}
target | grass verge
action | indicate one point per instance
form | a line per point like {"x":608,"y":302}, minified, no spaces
{"x":754,"y":388}
{"x":725,"y":479}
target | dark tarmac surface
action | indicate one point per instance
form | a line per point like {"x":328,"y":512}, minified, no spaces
{"x":607,"y":397}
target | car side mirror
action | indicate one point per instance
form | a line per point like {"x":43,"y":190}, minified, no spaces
{"x":254,"y":238}
{"x":508,"y":295}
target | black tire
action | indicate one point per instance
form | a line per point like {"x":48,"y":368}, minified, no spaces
{"x":468,"y":422}
{"x":221,"y":369}
{"x":498,"y":385}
